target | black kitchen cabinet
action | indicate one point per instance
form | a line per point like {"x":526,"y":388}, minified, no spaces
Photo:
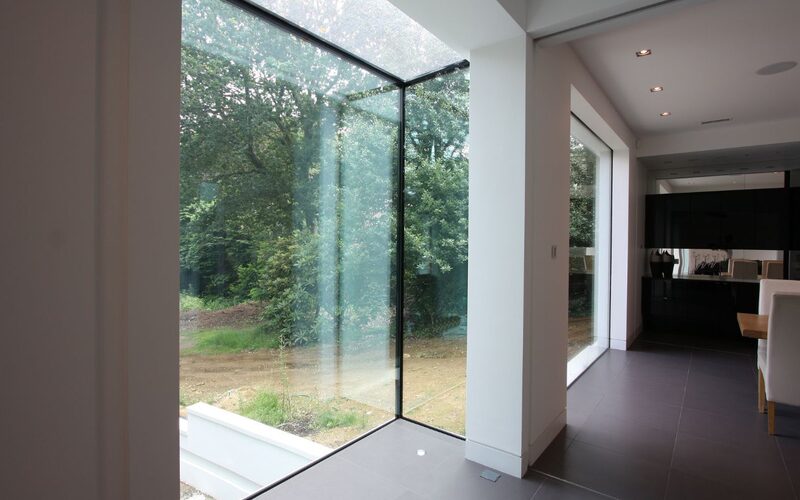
{"x":697,"y":306}
{"x":772,"y":226}
{"x":654,"y":222}
{"x":706,"y":221}
{"x":794,"y":218}
{"x":756,"y":219}
{"x":678,"y":208}
{"x":737,"y":219}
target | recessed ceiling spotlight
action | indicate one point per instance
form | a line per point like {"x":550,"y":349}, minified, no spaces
{"x":643,"y":52}
{"x":657,"y":88}
{"x":665,"y":113}
{"x":775,"y":68}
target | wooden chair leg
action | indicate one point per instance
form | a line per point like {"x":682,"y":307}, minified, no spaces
{"x":771,"y":417}
{"x":762,"y":394}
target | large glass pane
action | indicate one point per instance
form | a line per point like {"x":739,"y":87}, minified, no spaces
{"x":375,"y":30}
{"x":289,"y":160}
{"x":590,"y":249}
{"x":435,"y":309}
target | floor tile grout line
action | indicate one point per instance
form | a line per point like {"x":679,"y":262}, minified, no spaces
{"x":697,"y":348}
{"x":538,"y":488}
{"x":786,"y":468}
{"x":562,"y":480}
{"x":678,"y":427}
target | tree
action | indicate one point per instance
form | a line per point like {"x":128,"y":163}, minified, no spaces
{"x":288,"y":168}
{"x":437,"y":178}
{"x":581,"y":195}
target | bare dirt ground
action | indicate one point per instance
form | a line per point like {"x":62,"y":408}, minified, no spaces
{"x":190,"y":493}
{"x":362,"y":381}
{"x":579,"y":335}
{"x":238,"y":316}
{"x":359,"y":379}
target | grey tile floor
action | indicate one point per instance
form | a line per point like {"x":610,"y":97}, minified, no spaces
{"x":658,"y":421}
{"x":669,"y":421}
{"x":386,"y":466}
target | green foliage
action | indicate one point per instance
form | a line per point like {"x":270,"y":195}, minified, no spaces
{"x":267,"y":408}
{"x":272,"y":409}
{"x":436,"y":216}
{"x":193,"y":303}
{"x":227,"y":340}
{"x":288,"y":267}
{"x":332,"y":418}
{"x":190,"y":302}
{"x":581,"y":195}
{"x":287,"y":183}
{"x":185,"y":399}
{"x":580,"y":306}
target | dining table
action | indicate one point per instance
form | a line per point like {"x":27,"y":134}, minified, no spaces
{"x":753,"y":326}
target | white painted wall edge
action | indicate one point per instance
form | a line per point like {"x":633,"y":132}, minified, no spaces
{"x":721,"y":137}
{"x":493,"y":458}
{"x":544,"y":439}
{"x":619,"y":345}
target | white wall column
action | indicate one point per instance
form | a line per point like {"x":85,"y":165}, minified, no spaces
{"x":497,"y":349}
{"x":520,"y":101}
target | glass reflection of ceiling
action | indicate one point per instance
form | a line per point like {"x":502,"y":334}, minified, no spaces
{"x":374,"y":30}
{"x":234,"y":36}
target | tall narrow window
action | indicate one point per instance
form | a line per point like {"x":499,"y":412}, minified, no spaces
{"x":435,"y":309}
{"x":590,"y":248}
{"x":288,"y":203}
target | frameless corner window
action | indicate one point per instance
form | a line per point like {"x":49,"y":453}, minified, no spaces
{"x":303,"y":265}
{"x":435,"y":270}
{"x":288,"y":247}
{"x":374,"y":30}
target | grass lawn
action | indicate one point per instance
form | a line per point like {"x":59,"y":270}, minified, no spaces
{"x":230,"y":340}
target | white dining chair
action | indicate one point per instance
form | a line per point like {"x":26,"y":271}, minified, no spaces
{"x":779,"y":363}
{"x":768,"y":288}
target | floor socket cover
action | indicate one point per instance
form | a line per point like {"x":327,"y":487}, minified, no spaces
{"x":490,"y":475}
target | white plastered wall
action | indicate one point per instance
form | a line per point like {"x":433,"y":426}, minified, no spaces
{"x":521,"y":97}
{"x":499,"y":274}
{"x":562,"y":83}
{"x":89,"y":203}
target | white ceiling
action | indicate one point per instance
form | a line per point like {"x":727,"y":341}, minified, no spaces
{"x":705,"y":56}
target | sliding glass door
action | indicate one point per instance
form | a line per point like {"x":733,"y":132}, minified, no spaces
{"x":589,"y":248}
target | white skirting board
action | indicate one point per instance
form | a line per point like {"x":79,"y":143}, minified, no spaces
{"x":545,"y":438}
{"x":500,"y":460}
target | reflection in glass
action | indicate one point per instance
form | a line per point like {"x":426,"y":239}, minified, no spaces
{"x":375,"y":30}
{"x":289,"y":160}
{"x":589,"y":252}
{"x":435,"y":309}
